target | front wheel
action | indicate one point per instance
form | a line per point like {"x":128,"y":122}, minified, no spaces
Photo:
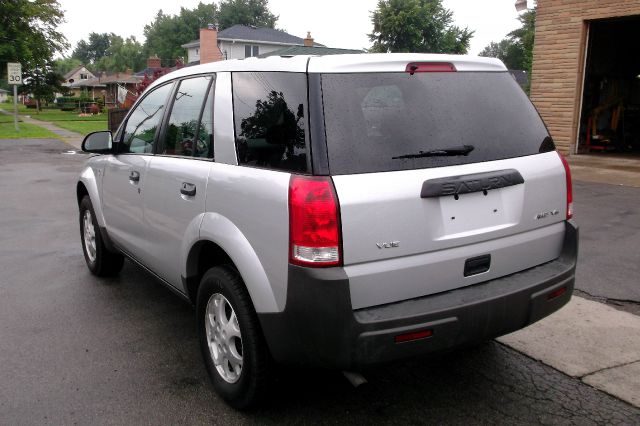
{"x":232,"y":344}
{"x":100,"y":260}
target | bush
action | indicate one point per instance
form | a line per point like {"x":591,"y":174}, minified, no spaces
{"x":67,"y":103}
{"x":65,"y":99}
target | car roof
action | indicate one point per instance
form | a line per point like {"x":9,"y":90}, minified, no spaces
{"x":347,"y":63}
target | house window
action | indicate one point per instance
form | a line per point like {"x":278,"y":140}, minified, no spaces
{"x":84,"y":76}
{"x":250,"y":51}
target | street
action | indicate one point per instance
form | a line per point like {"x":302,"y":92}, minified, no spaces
{"x":76,"y":349}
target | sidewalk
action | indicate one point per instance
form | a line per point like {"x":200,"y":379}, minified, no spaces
{"x":72,"y":138}
{"x":590,"y":341}
{"x":606,"y":168}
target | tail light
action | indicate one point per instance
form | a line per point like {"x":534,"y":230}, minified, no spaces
{"x":567,"y":174}
{"x":314,"y":222}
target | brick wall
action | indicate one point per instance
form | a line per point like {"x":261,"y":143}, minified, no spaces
{"x":558,"y":59}
{"x":209,"y":50}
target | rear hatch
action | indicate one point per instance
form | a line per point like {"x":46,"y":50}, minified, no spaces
{"x":444,"y":179}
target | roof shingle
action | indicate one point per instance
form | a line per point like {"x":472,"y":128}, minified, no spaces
{"x":242,"y":32}
{"x":308,"y":50}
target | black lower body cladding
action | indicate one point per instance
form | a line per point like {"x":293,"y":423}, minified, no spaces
{"x":318,"y":326}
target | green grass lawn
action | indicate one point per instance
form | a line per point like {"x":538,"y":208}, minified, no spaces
{"x":7,"y":106}
{"x":55,"y":115}
{"x":8,"y":131}
{"x":7,"y":118}
{"x":82,"y":127}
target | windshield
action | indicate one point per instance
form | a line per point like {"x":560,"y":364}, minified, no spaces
{"x":377,"y":122}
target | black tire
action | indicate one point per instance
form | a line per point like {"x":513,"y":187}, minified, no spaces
{"x":104,"y":263}
{"x":250,"y":386}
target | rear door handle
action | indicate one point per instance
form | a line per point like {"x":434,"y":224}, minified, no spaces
{"x":188,"y":189}
{"x":134,"y":176}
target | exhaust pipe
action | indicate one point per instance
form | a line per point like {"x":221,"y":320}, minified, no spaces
{"x":356,"y":379}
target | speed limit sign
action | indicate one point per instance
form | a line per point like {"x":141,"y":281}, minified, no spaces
{"x":14,"y":73}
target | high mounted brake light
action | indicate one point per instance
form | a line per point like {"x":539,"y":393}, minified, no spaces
{"x":414,"y":67}
{"x":567,"y":174}
{"x":314,"y":222}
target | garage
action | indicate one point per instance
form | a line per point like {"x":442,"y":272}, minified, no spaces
{"x":585,"y":77}
{"x":610,"y":110}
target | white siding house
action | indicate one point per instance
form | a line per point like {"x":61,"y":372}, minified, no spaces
{"x":240,"y":41}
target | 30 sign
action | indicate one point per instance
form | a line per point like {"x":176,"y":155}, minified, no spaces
{"x":14,"y":73}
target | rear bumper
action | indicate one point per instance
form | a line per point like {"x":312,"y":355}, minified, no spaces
{"x":319,"y":327}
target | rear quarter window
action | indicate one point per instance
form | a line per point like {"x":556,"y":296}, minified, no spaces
{"x":269,"y":116}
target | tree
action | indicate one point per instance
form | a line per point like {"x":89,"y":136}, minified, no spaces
{"x":525,"y":36}
{"x":507,"y":51}
{"x":416,"y":26}
{"x":28,"y":32}
{"x":122,"y":55}
{"x":167,"y":33}
{"x":64,"y":65}
{"x":90,"y":52}
{"x":516,"y":50}
{"x":246,"y":12}
{"x":42,"y":82}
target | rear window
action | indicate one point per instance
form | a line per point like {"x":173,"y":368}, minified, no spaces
{"x":372,"y":118}
{"x":269,"y":115}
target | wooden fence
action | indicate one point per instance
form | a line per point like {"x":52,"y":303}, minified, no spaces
{"x":116,"y":115}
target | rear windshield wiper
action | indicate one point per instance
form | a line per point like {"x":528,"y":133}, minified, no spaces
{"x":454,"y":150}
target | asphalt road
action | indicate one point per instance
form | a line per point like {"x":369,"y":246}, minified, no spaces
{"x":609,"y":219}
{"x":75,"y":349}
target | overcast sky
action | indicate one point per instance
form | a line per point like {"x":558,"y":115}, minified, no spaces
{"x":335,"y":23}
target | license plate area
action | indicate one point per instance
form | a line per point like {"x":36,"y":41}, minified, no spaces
{"x":479,"y":212}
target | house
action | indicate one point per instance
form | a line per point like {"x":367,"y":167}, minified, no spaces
{"x":240,"y":41}
{"x":585,"y":77}
{"x":309,"y":50}
{"x":76,"y":75}
{"x":4,"y":95}
{"x":125,"y":80}
{"x":90,"y":88}
{"x":105,"y":86}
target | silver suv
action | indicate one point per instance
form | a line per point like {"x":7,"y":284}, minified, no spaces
{"x":335,"y":211}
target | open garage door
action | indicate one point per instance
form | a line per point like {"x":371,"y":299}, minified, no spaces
{"x":610,"y":119}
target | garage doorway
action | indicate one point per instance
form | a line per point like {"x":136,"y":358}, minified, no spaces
{"x":610,"y":118}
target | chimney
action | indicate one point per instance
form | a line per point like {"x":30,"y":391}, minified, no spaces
{"x":521,"y":5}
{"x":209,"y":50}
{"x":308,"y":41}
{"x":154,"y":62}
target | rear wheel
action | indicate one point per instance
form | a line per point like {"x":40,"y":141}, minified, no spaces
{"x":100,"y":260}
{"x":232,"y":344}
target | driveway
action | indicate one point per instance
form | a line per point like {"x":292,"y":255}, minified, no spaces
{"x":80,"y":350}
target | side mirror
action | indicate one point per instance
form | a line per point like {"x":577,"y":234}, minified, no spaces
{"x":98,"y":143}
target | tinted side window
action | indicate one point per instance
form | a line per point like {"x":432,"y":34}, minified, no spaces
{"x":144,"y":120}
{"x":182,"y":128}
{"x":269,"y":115}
